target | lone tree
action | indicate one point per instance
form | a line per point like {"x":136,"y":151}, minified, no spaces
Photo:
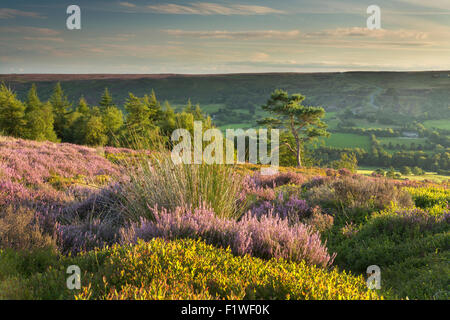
{"x":303,"y":122}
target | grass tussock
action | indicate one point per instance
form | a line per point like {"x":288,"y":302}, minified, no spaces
{"x":158,"y":181}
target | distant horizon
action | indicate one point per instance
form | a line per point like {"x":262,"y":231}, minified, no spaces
{"x":230,"y":73}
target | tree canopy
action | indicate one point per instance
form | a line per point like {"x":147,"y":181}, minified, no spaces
{"x":302,"y":122}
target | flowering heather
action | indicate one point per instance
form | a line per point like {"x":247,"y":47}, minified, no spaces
{"x":279,"y":179}
{"x":28,"y":167}
{"x":316,"y":181}
{"x":251,"y":188}
{"x":293,"y":209}
{"x":422,"y":220}
{"x":114,"y":150}
{"x":267,"y":237}
{"x":86,"y":235}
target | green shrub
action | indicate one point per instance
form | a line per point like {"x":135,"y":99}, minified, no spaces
{"x":430,"y":197}
{"x":420,"y":277}
{"x":182,"y":269}
{"x":397,"y":240}
{"x":354,"y":197}
{"x":17,"y":268}
{"x":187,"y":269}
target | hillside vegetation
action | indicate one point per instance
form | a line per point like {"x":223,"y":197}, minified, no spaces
{"x":138,"y":226}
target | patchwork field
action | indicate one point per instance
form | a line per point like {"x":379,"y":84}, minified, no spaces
{"x":438,"y":124}
{"x":347,"y":140}
{"x":403,"y":141}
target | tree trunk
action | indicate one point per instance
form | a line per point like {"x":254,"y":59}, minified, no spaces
{"x":299,"y":156}
{"x":297,"y":142}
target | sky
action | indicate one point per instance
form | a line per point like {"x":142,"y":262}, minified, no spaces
{"x":218,"y":36}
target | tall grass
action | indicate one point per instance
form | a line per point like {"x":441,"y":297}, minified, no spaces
{"x":155,"y":180}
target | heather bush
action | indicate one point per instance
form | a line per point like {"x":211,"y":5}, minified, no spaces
{"x":103,"y":204}
{"x":357,"y":192}
{"x":40,"y":172}
{"x":93,"y":222}
{"x":87,"y":235}
{"x":345,"y":172}
{"x":20,"y":230}
{"x":349,"y":229}
{"x":266,"y":237}
{"x":316,"y":181}
{"x":319,"y":221}
{"x":252,"y":192}
{"x":293,"y":209}
{"x":278,"y":179}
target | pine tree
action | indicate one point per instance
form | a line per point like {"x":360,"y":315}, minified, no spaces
{"x":48,"y":120}
{"x":61,"y":109}
{"x":76,"y":123}
{"x":34,"y":122}
{"x":39,"y":118}
{"x":139,"y":118}
{"x":303,"y":122}
{"x":168,"y":122}
{"x":95,"y":132}
{"x":83,"y":107}
{"x":156,"y":112}
{"x":112,"y":119}
{"x":106,"y":100}
{"x":12,"y":113}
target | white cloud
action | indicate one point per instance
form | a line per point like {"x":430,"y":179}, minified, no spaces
{"x":127,"y":4}
{"x":223,"y":34}
{"x":364,"y":32}
{"x":119,"y":37}
{"x":29,"y":31}
{"x":6,"y":13}
{"x":260,"y":56}
{"x":206,"y":8}
{"x":44,"y":39}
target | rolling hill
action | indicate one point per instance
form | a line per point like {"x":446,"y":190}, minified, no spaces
{"x":236,"y":98}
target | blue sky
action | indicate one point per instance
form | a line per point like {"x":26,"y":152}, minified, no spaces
{"x":148,"y":36}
